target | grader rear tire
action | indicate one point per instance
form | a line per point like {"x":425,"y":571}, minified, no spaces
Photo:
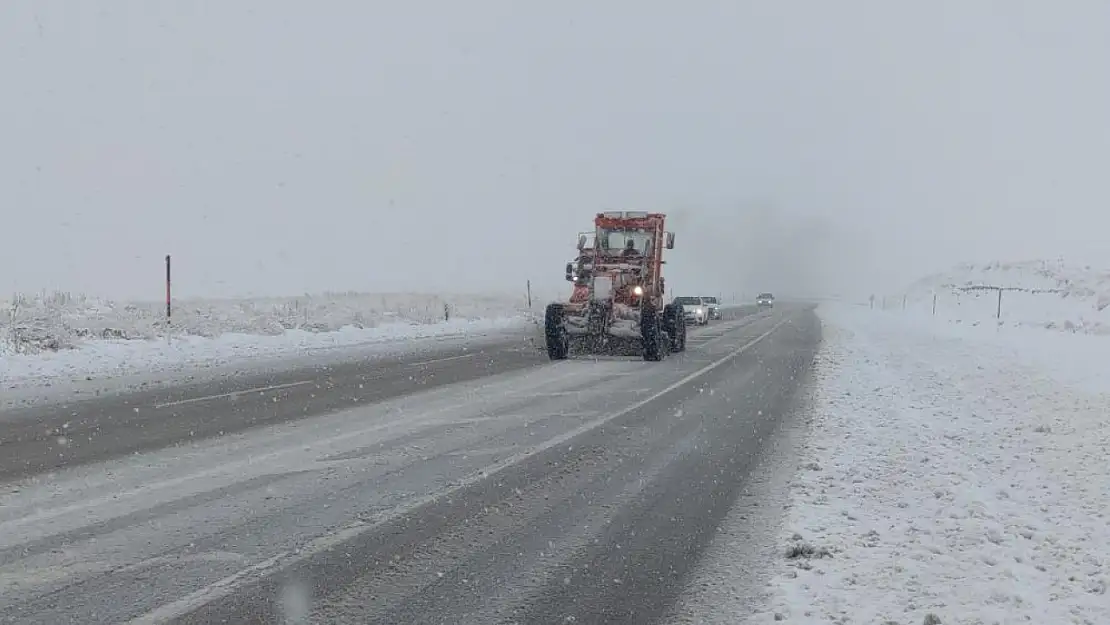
{"x":652,"y":334}
{"x":676,"y":327}
{"x":555,"y":332}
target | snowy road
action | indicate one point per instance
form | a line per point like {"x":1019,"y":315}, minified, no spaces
{"x":527,"y":491}
{"x":51,"y":435}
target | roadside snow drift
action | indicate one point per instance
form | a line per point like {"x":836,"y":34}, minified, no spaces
{"x":74,"y":336}
{"x":947,"y":481}
{"x":1044,"y":294}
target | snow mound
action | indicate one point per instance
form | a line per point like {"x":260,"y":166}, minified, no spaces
{"x":1045,"y":294}
{"x":58,"y":321}
{"x":59,"y":336}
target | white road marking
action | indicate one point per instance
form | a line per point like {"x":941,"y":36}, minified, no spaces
{"x":548,"y":394}
{"x":203,"y":556}
{"x":260,"y":389}
{"x":39,"y":575}
{"x":533,"y":420}
{"x":484,"y":451}
{"x":573,"y":393}
{"x":229,"y":585}
{"x":729,"y":333}
{"x":89,"y":506}
{"x":435,"y":360}
{"x":276,"y":387}
{"x":705,"y":344}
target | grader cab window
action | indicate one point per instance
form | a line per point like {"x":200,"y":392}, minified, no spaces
{"x":614,"y":242}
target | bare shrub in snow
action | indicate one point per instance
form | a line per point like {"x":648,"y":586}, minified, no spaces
{"x":801,"y":549}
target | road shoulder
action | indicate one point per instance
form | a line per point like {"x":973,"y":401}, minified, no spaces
{"x":945,"y":481}
{"x":733,"y":574}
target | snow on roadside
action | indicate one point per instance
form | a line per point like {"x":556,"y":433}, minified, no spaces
{"x":66,"y":337}
{"x":1048,"y":295}
{"x":945,"y":482}
{"x":120,"y":358}
{"x":1073,"y":359}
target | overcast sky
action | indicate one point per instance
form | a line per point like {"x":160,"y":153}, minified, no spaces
{"x":283,"y":146}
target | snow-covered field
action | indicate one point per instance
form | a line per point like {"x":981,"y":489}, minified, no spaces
{"x":64,"y":336}
{"x":1050,"y":295}
{"x":952,"y":475}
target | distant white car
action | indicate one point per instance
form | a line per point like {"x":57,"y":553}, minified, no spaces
{"x":765,"y":300}
{"x":713,"y":305}
{"x":694,"y":310}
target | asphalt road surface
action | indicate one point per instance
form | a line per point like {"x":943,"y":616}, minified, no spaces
{"x":487,"y":486}
{"x":53,"y":436}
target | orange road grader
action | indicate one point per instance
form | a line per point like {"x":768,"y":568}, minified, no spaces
{"x":617,"y":303}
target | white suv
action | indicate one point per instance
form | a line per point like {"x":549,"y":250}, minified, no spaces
{"x":713,"y":306}
{"x":693,"y":309}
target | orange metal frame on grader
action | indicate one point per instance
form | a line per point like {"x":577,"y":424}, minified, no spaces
{"x":617,"y":301}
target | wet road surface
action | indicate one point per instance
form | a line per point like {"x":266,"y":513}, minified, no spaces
{"x":521,"y":492}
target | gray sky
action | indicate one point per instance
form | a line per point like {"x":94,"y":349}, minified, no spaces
{"x":279,"y":146}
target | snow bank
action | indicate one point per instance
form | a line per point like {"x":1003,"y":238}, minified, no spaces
{"x":946,"y":482}
{"x":72,"y":336}
{"x":1043,"y":294}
